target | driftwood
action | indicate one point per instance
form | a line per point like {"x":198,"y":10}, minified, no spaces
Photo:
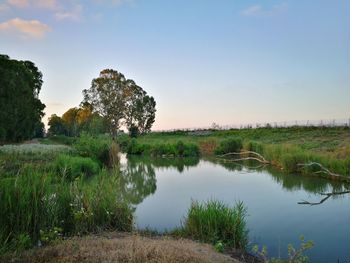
{"x":323,"y":169}
{"x":327,"y":196}
{"x":258,"y":157}
{"x":242,"y":165}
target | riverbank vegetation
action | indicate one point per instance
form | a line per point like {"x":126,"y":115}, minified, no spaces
{"x":322,"y":151}
{"x":216,"y":223}
{"x":48,"y":191}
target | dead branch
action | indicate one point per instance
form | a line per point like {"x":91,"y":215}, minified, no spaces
{"x":259,"y":157}
{"x":323,"y":169}
{"x":242,"y":165}
{"x":328,"y":195}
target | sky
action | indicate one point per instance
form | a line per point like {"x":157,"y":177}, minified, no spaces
{"x":204,"y":61}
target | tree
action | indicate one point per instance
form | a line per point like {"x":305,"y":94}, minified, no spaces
{"x":120,"y":101}
{"x":20,"y":107}
{"x":145,"y":114}
{"x":57,"y":126}
{"x":70,"y":119}
{"x":107,"y":96}
{"x":140,"y":110}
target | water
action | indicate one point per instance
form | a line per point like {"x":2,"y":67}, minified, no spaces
{"x":162,"y":189}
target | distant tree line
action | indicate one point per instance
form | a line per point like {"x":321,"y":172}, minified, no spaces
{"x":77,"y":120}
{"x":20,"y":107}
{"x":111,"y":102}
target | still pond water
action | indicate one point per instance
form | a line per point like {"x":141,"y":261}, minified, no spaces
{"x":162,"y":190}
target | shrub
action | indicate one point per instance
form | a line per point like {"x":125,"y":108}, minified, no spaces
{"x":123,"y":140}
{"x":215,"y":222}
{"x":229,"y":145}
{"x":93,"y":147}
{"x":135,"y":148}
{"x":72,"y":167}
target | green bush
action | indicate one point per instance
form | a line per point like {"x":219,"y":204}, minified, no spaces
{"x":215,"y":222}
{"x":135,"y":148}
{"x":72,"y":167}
{"x":228,"y":146}
{"x":123,"y":140}
{"x":93,"y":147}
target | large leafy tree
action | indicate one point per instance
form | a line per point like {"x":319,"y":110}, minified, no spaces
{"x":120,"y":101}
{"x":107,"y":96}
{"x":20,"y":107}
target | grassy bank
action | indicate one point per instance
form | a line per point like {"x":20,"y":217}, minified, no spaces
{"x":285,"y":148}
{"x":48,"y":191}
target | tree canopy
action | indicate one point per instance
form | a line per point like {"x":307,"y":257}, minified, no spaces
{"x":120,"y":101}
{"x":76,"y":120}
{"x":20,"y":107}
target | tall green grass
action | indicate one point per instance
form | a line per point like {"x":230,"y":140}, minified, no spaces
{"x":93,"y":147}
{"x":178,"y":149}
{"x":213,"y":222}
{"x":72,"y":167}
{"x":289,"y":157}
{"x":229,"y":145}
{"x":33,"y":203}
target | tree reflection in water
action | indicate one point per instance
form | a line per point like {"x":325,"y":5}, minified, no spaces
{"x":138,"y":176}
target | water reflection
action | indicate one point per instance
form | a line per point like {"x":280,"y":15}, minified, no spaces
{"x":138,"y":177}
{"x":288,"y":181}
{"x":180,"y":164}
{"x":137,"y":181}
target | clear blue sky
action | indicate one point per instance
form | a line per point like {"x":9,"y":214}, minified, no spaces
{"x":204,"y":61}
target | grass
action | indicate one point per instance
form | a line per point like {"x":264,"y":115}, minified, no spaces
{"x":123,"y":248}
{"x":215,"y":222}
{"x":178,"y":149}
{"x":71,"y":167}
{"x":48,"y":191}
{"x":229,"y":145}
{"x":284,"y":147}
{"x":35,"y":202}
{"x":96,"y":147}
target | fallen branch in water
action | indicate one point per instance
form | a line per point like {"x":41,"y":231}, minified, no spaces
{"x":259,"y":157}
{"x":323,"y":169}
{"x":242,"y":165}
{"x":328,"y":195}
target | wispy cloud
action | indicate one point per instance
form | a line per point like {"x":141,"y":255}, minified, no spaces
{"x":74,"y":13}
{"x":4,"y":7}
{"x":18,"y":3}
{"x":25,"y":28}
{"x":258,"y":10}
{"x":114,"y":2}
{"x":49,"y":4}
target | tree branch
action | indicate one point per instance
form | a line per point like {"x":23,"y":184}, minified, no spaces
{"x":259,"y":157}
{"x":328,"y":195}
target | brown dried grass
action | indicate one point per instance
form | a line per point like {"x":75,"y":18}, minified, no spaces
{"x":124,"y":248}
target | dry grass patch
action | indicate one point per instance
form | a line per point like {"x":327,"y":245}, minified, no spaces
{"x":116,"y":247}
